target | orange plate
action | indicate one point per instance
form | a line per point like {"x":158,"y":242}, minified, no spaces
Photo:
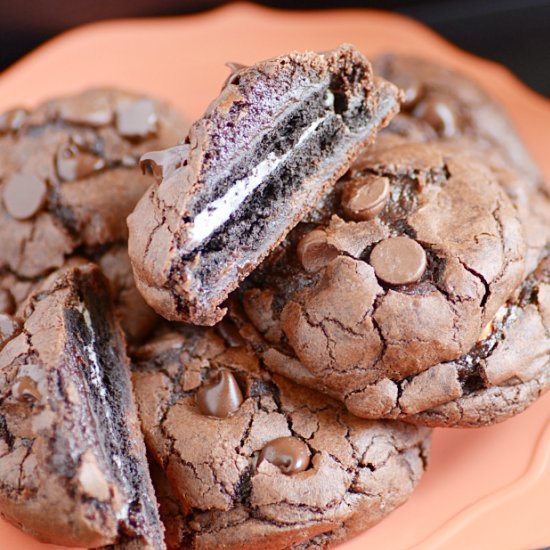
{"x":485,"y":488}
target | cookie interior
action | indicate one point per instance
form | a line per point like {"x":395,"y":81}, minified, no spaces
{"x":96,"y":359}
{"x":308,"y":145}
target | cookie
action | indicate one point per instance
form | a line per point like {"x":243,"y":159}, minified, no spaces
{"x":136,"y":318}
{"x":401,"y":271}
{"x":506,"y":371}
{"x":69,"y":174}
{"x":73,"y":470}
{"x":255,"y":461}
{"x":445,"y":106}
{"x":441,"y":102}
{"x":278,"y":136}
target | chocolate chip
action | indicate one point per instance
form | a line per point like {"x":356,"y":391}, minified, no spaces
{"x":89,"y":109}
{"x":290,"y":454}
{"x":24,"y":196}
{"x":162,"y":163}
{"x":364,"y":198}
{"x":128,"y":161}
{"x":233,"y":77}
{"x":72,"y":163}
{"x":398,"y":260}
{"x":26,"y":389}
{"x":12,"y":120}
{"x":136,"y":119}
{"x":153,"y":163}
{"x":411,"y":87}
{"x":9,"y":327}
{"x":7,"y":301}
{"x":220,"y":395}
{"x":439,"y":114}
{"x":230,"y":333}
{"x":314,"y":252}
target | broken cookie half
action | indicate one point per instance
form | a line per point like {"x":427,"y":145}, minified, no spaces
{"x":72,"y":461}
{"x":268,"y":148}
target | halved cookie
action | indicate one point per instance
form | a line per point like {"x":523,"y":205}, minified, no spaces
{"x":73,"y":469}
{"x":278,"y":136}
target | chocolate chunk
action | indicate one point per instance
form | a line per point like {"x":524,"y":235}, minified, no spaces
{"x":398,"y":260}
{"x":230,"y":333}
{"x":12,"y":120}
{"x":90,"y":108}
{"x":7,"y":301}
{"x":162,"y":163}
{"x":26,"y":389}
{"x":411,"y":88}
{"x":234,"y":68}
{"x":9,"y":327}
{"x":24,"y":196}
{"x":220,"y":395}
{"x":290,"y":454}
{"x":364,"y":198}
{"x":72,"y":163}
{"x":136,"y":119}
{"x":153,"y":163}
{"x":314,"y":252}
{"x":439,"y":114}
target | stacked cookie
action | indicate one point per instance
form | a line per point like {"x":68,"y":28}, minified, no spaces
{"x":352,"y":294}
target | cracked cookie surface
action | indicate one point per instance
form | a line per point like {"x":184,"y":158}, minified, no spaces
{"x":221,"y":493}
{"x":442,"y":105}
{"x":136,"y":318}
{"x":274,"y":141}
{"x":506,"y":371}
{"x":69,"y":176}
{"x":447,"y":237}
{"x":73,"y":470}
{"x":69,"y":173}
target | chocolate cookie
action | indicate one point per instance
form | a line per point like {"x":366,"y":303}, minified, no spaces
{"x":135,"y":316}
{"x":415,"y":254}
{"x":445,"y":106}
{"x":256,"y":461}
{"x":72,"y":461}
{"x":499,"y":377}
{"x":444,"y":103}
{"x":278,"y":136}
{"x":69,"y":174}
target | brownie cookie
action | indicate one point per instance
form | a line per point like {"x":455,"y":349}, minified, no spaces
{"x":73,"y":469}
{"x":69,"y":173}
{"x":414,"y":255}
{"x":443,"y":103}
{"x":275,"y":140}
{"x":135,"y":316}
{"x":256,"y":461}
{"x":445,"y":106}
{"x":499,"y":377}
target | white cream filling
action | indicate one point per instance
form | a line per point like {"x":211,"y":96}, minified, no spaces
{"x":220,"y":210}
{"x":95,"y":379}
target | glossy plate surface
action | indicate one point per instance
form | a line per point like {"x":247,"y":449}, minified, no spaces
{"x":485,"y":488}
